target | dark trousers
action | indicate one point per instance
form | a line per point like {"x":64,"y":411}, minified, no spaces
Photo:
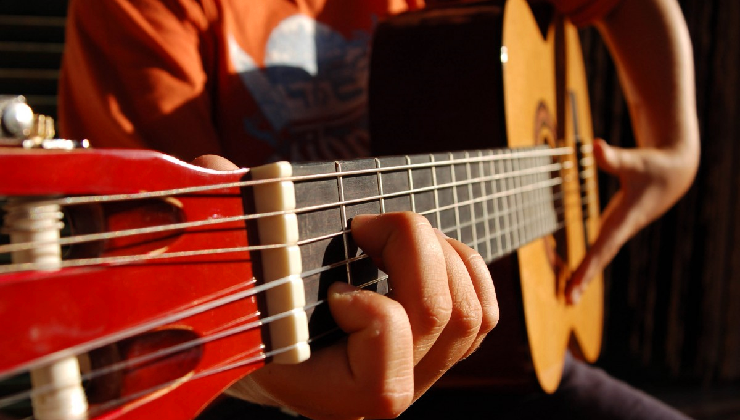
{"x":585,"y":392}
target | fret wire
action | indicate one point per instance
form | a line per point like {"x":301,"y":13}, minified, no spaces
{"x":494,"y":201}
{"x":534,"y":228}
{"x":523,"y":198}
{"x":537,"y":196}
{"x":436,"y":194}
{"x":508,"y":229}
{"x":469,"y":175}
{"x":454,"y":197}
{"x":343,"y":211}
{"x":380,"y":187}
{"x":486,"y":218}
{"x":519,"y":199}
{"x":434,"y":187}
{"x":507,"y":201}
{"x":411,"y":185}
{"x":516,"y":165}
{"x":548,"y":192}
{"x":538,"y":211}
{"x":508,"y":211}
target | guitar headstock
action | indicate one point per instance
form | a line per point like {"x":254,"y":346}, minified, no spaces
{"x":130,"y":272}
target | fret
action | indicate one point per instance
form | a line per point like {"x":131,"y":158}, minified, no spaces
{"x":425,"y":202}
{"x":460,"y":194}
{"x":411,"y":185}
{"x":512,"y":182}
{"x":477,"y":189}
{"x":356,"y":187}
{"x":492,"y":207}
{"x":455,"y":209}
{"x":505,"y":216}
{"x":380,"y":187}
{"x":319,"y":223}
{"x":543,"y":196}
{"x":528,"y":202}
{"x":435,"y":183}
{"x":537,"y":196}
{"x":343,"y":213}
{"x":395,"y":186}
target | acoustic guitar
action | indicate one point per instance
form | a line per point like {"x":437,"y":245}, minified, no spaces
{"x":138,"y":286}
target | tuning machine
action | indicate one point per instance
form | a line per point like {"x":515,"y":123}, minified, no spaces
{"x":21,"y":127}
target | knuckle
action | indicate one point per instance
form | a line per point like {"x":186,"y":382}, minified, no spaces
{"x":435,"y":312}
{"x":467,"y":319}
{"x":490,"y":317}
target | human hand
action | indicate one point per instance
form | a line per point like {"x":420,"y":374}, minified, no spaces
{"x":441,"y":306}
{"x":651,"y":180}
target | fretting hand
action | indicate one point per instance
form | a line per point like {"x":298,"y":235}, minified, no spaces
{"x":442,"y":305}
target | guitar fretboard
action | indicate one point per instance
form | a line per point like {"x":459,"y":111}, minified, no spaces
{"x":492,"y":200}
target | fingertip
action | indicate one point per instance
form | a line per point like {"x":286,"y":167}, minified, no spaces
{"x":605,"y":155}
{"x":362,"y":219}
{"x":214,"y":162}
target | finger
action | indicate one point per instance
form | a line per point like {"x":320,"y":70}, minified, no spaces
{"x":474,"y":314}
{"x":616,"y":228}
{"x":368,"y":374}
{"x":460,"y":331}
{"x":615,"y":160}
{"x":412,"y":256}
{"x":484,"y":288}
{"x":214,"y":162}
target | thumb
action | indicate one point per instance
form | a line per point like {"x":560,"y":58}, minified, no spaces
{"x":615,"y":160}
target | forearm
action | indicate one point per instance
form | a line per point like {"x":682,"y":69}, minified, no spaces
{"x":650,"y":44}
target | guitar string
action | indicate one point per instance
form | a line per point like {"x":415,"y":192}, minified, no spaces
{"x":187,"y":345}
{"x":16,"y":267}
{"x":511,"y":154}
{"x":179,"y":226}
{"x":319,"y":270}
{"x":199,"y":223}
{"x":12,"y":399}
{"x":500,"y":233}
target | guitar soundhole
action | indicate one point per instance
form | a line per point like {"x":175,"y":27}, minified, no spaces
{"x":555,"y":244}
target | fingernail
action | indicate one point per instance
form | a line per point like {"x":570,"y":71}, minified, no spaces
{"x":440,"y":233}
{"x":340,"y":288}
{"x":575,"y":295}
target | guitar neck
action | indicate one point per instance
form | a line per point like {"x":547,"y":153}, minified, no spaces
{"x":493,"y":200}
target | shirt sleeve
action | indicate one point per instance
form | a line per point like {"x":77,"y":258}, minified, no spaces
{"x":133,"y":76}
{"x":585,"y":12}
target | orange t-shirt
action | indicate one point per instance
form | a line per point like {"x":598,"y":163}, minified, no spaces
{"x":250,"y":80}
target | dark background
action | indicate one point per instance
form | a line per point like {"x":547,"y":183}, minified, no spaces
{"x":672,"y":292}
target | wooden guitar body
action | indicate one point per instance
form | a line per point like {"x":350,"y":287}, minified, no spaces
{"x":497,"y":74}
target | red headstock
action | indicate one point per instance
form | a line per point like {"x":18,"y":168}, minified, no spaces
{"x":136,"y":294}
